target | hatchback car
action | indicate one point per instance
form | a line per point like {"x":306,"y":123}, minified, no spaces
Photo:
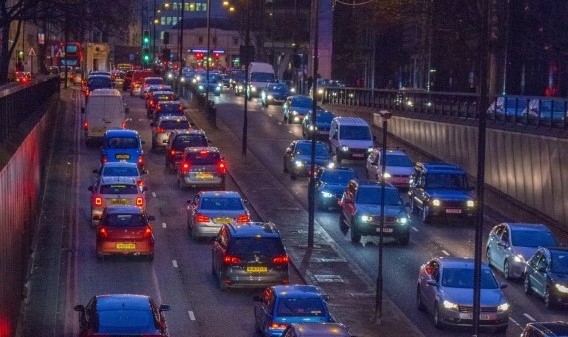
{"x":122,"y":145}
{"x":178,"y":141}
{"x":316,"y":330}
{"x":296,"y":108}
{"x":164,"y":126}
{"x":361,"y":211}
{"x":168,"y":108}
{"x":158,"y":96}
{"x":510,"y":245}
{"x":122,"y":314}
{"x":298,"y":157}
{"x":545,"y":329}
{"x":546,"y":275}
{"x":120,"y":169}
{"x":445,"y":289}
{"x":323,"y":124}
{"x":209,"y":210}
{"x":398,"y":167}
{"x":202,"y":166}
{"x":280,"y":306}
{"x":330,"y":185}
{"x":125,"y":230}
{"x":274,"y":93}
{"x":113,"y":192}
{"x":249,"y":255}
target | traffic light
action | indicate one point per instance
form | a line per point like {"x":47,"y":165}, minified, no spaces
{"x":146,"y":55}
{"x":146,"y":38}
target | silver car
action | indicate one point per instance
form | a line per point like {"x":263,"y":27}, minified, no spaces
{"x":510,"y":245}
{"x":162,"y":128}
{"x":398,"y":167}
{"x":445,"y":289}
{"x":120,"y":169}
{"x":209,"y":210}
{"x":201,"y":166}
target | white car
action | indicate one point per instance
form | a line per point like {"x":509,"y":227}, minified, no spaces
{"x":398,"y":167}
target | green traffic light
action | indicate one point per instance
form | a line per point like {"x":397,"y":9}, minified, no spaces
{"x":146,"y":40}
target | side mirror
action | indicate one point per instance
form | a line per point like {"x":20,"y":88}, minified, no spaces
{"x":82,"y":110}
{"x":432,"y":283}
{"x":245,"y":201}
{"x":503,"y":285}
{"x":90,"y":188}
{"x":164,"y":307}
{"x":151,"y":218}
{"x":79,"y":308}
{"x":95,"y":171}
{"x":257,"y":298}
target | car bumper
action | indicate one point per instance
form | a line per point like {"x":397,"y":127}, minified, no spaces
{"x":237,"y":278}
{"x":455,"y":318}
{"x":357,"y":154}
{"x":329,"y":202}
{"x":189,"y":180}
{"x":296,"y":118}
{"x":389,"y":230}
{"x":161,"y":139}
{"x":145,"y":247}
{"x":206,"y":230}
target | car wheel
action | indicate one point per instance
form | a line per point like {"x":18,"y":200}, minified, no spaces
{"x":436,"y":317}
{"x":403,"y":240}
{"x":419,"y":304}
{"x":355,"y":236}
{"x":506,"y":270}
{"x":426,"y":217}
{"x":527,"y":285}
{"x":342,"y":224}
{"x":548,"y":299}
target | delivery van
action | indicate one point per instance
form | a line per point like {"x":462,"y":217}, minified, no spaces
{"x":105,"y":110}
{"x":260,"y":74}
{"x":350,"y":138}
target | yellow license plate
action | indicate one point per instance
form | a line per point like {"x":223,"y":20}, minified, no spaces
{"x":97,"y":130}
{"x":119,"y":202}
{"x":222,"y":220}
{"x":257,"y":269}
{"x":126,"y":246}
{"x":204,"y":176}
{"x":122,"y":156}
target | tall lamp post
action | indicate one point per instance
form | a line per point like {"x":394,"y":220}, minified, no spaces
{"x":181,"y":38}
{"x":207,"y":105}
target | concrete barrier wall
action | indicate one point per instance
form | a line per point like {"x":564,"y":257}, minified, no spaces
{"x":529,"y":168}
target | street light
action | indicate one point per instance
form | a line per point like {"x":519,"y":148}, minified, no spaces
{"x":210,"y":110}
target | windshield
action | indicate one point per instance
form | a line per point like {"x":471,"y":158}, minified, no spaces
{"x":560,"y":262}
{"x":203,"y":158}
{"x":258,"y":246}
{"x":446,"y":180}
{"x":222,"y":204}
{"x":261,"y":77}
{"x":99,"y":83}
{"x":337,"y":177}
{"x":306,"y":149}
{"x":172,"y":125}
{"x":122,"y":143}
{"x":277,"y":87}
{"x":165,"y":108}
{"x":301,"y":307}
{"x":183,"y":141}
{"x":302,"y":102}
{"x":118,"y":321}
{"x":119,"y":189}
{"x":371,"y":195}
{"x":523,"y":238}
{"x":238,"y":75}
{"x":125,"y":220}
{"x":398,"y":160}
{"x":463,"y":278}
{"x":355,"y":132}
{"x":126,"y":171}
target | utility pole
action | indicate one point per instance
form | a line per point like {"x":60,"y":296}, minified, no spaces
{"x":246,"y":89}
{"x":209,"y":111}
{"x":312,"y":186}
{"x":181,"y":60}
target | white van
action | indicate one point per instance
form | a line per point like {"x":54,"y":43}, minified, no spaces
{"x":260,"y":74}
{"x":105,"y":110}
{"x":350,"y":138}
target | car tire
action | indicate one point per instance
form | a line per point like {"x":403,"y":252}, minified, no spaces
{"x":527,"y":285}
{"x":548,"y":299}
{"x":342,"y":225}
{"x":355,"y":236}
{"x":506,"y":270}
{"x":405,"y":239}
{"x":436,"y":317}
{"x":426,"y":217}
{"x":419,"y":304}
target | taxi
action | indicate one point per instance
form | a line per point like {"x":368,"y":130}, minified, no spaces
{"x":122,"y":145}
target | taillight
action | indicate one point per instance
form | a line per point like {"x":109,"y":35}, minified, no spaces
{"x":184,"y":167}
{"x":243,"y":218}
{"x":139,"y":201}
{"x":230,"y":260}
{"x":201,"y":218}
{"x":180,"y":107}
{"x":102,"y":232}
{"x":281,"y":260}
{"x":160,"y":130}
{"x":140,"y":182}
{"x":85,"y":125}
{"x":148,"y":232}
{"x":104,"y":159}
{"x":173,"y":153}
{"x":124,"y":124}
{"x":221,"y":166}
{"x":140,"y":160}
{"x":278,"y":325}
{"x":97,"y":201}
{"x":152,"y":103}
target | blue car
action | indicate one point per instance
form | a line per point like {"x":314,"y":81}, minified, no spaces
{"x":280,"y":306}
{"x":122,"y":145}
{"x":296,"y":108}
{"x":274,"y":93}
{"x":330,"y":185}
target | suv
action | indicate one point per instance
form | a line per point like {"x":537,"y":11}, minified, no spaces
{"x":158,"y":96}
{"x":178,"y":141}
{"x":361,"y":211}
{"x":162,"y":128}
{"x":202,"y":166}
{"x":122,"y":145}
{"x":249,"y":255}
{"x":546,"y":329}
{"x":441,"y":190}
{"x":398,"y":167}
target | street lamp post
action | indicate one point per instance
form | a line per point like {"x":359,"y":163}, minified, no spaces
{"x":247,"y":61}
{"x":209,"y":109}
{"x":181,"y":38}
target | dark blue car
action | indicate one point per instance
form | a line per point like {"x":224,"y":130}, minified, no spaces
{"x":330,"y":184}
{"x":99,"y":82}
{"x":122,"y":145}
{"x":274,"y":93}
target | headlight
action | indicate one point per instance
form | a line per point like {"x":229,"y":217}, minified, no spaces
{"x":370,"y":150}
{"x":386,"y":175}
{"x":292,"y":90}
{"x":330,"y":165}
{"x":326,"y":195}
{"x":366,"y":218}
{"x":436,"y":202}
{"x":194,"y":81}
{"x":294,"y":112}
{"x":470,"y":203}
{"x":198,"y":78}
{"x":320,"y":91}
{"x":240,"y":87}
{"x":269,"y":97}
{"x":345,"y":148}
{"x":519,"y":259}
{"x":219,"y":85}
{"x":503,"y":307}
{"x":450,"y":305}
{"x":298,"y":163}
{"x":200,"y":87}
{"x":402,"y":221}
{"x":217,"y":88}
{"x":312,"y":128}
{"x":561,"y":288}
{"x":253,"y":89}
{"x":182,"y":79}
{"x":170,"y":75}
{"x":409,"y":103}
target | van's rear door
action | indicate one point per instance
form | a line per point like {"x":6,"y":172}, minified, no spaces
{"x":113,"y":112}
{"x":96,"y":117}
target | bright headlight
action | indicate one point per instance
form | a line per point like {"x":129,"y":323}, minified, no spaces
{"x":386,"y":175}
{"x":450,"y":305}
{"x":194,"y":81}
{"x":294,"y":112}
{"x":320,"y":91}
{"x":292,"y":90}
{"x":240,"y":87}
{"x":330,"y":165}
{"x":198,"y":78}
{"x":366,"y":218}
{"x":470,"y":203}
{"x":326,"y":194}
{"x":200,"y":87}
{"x":345,"y":148}
{"x":312,"y":128}
{"x":182,"y":79}
{"x":402,"y":221}
{"x":409,"y":103}
{"x":269,"y":97}
{"x":561,"y":288}
{"x":298,"y":163}
{"x":518,"y":259}
{"x":503,"y":307}
{"x":370,"y":150}
{"x":436,"y":202}
{"x":170,"y":75}
{"x":253,"y":89}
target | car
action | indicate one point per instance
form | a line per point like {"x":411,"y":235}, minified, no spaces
{"x":162,"y":128}
{"x":122,"y":145}
{"x":282,"y":305}
{"x":549,"y":109}
{"x":274,"y":93}
{"x":127,"y":80}
{"x":296,"y":108}
{"x":157,"y":96}
{"x":120,"y":169}
{"x":98,"y":82}
{"x":52,"y":70}
{"x":118,"y":77}
{"x":330,"y":185}
{"x":323,"y":124}
{"x":119,"y":314}
{"x":178,"y":141}
{"x":545,"y":329}
{"x":114,"y":192}
{"x":137,"y":80}
{"x":398,"y":167}
{"x":147,"y":82}
{"x":156,"y":88}
{"x":361,"y":211}
{"x":508,"y":106}
{"x":236,"y":77}
{"x":298,"y":157}
{"x":249,"y":255}
{"x":209,"y":210}
{"x":168,"y":108}
{"x":125,"y":230}
{"x":316,"y":330}
{"x":214,"y":85}
{"x":510,"y":245}
{"x":350,"y":138}
{"x":546,"y":275}
{"x":202,"y":166}
{"x":445,"y":290}
{"x":441,"y":191}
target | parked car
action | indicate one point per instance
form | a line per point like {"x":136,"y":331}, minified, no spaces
{"x":298,"y":157}
{"x":398,"y":167}
{"x":545,"y":329}
{"x":546,"y":275}
{"x":330,"y":185}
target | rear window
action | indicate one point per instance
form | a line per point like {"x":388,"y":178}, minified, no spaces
{"x":118,"y":321}
{"x":118,"y":189}
{"x":120,"y":172}
{"x":183,"y":141}
{"x":99,"y":83}
{"x":125,"y":220}
{"x":261,"y":247}
{"x":154,"y":81}
{"x":164,"y":97}
{"x":203,"y":158}
{"x":122,"y":143}
{"x":170,"y":108}
{"x":302,"y":307}
{"x":170,"y":125}
{"x":225,"y":204}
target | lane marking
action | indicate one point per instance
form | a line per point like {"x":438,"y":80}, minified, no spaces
{"x":154,"y":194}
{"x":163,"y":225}
{"x":445,"y":253}
{"x":191,"y":315}
{"x":529,"y":317}
{"x":415,"y":229}
{"x":175,"y":263}
{"x":512,"y":320}
{"x":289,"y":131}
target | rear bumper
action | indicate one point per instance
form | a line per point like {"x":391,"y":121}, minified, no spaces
{"x":145,"y":247}
{"x":188,"y":181}
{"x":241,"y":279}
{"x":202,"y":230}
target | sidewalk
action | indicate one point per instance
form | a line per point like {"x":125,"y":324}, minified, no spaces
{"x":351,"y":291}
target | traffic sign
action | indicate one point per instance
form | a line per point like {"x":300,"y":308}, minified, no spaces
{"x":32,"y":52}
{"x":60,"y":53}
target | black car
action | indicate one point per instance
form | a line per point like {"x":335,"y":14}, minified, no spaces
{"x":323,"y":124}
{"x":546,"y":329}
{"x":249,"y":255}
{"x":178,"y":141}
{"x":127,"y":79}
{"x":330,"y":185}
{"x":546,"y":275}
{"x":274,"y":93}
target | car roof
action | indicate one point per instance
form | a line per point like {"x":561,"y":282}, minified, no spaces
{"x":224,"y":194}
{"x":254,"y":229}
{"x":188,"y":132}
{"x":296,"y":290}
{"x":308,"y":141}
{"x":124,"y":210}
{"x":527,"y":226}
{"x":321,"y":329}
{"x":121,"y":132}
{"x":346,"y":120}
{"x":105,"y":180}
{"x":119,"y":164}
{"x":441,"y":167}
{"x":551,"y":328}
{"x":105,"y":92}
{"x":122,"y":301}
{"x":162,"y":92}
{"x":458,"y":262}
{"x":300,"y":97}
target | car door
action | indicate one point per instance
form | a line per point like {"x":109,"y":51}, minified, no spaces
{"x":218,"y":248}
{"x":540,"y":274}
{"x":348,"y":202}
{"x":432,"y":273}
{"x":192,"y":208}
{"x":493,"y":243}
{"x":503,"y":247}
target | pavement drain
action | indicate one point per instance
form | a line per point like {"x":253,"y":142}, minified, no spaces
{"x":328,"y":278}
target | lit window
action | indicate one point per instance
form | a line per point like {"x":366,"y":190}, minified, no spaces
{"x":198,"y":7}
{"x":169,"y":20}
{"x":174,"y":20}
{"x":192,"y":7}
{"x":204,"y":7}
{"x":163,"y":20}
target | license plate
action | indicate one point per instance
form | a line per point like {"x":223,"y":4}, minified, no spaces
{"x":119,"y":202}
{"x":126,"y":246}
{"x":385,"y":230}
{"x":482,"y":317}
{"x":257,"y":269}
{"x":204,"y":175}
{"x":97,"y":130}
{"x":358,"y":155}
{"x":222,"y":220}
{"x":453,"y":211}
{"x":399,"y":180}
{"x":122,"y":156}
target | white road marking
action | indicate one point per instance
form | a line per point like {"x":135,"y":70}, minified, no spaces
{"x":191,"y":315}
{"x":290,"y":131}
{"x":163,"y":225}
{"x":279,"y":123}
{"x":512,"y":320}
{"x":445,"y":253}
{"x":414,"y":229}
{"x":154,"y":194}
{"x":175,"y":263}
{"x":529,"y":317}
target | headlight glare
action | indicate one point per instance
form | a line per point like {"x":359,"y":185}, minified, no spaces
{"x":519,"y":258}
{"x":298,"y":163}
{"x":503,"y":307}
{"x":450,"y":305}
{"x":386,"y":175}
{"x":182,"y":79}
{"x":436,"y":202}
{"x":402,"y":221}
{"x":326,"y":194}
{"x":470,"y":203}
{"x":366,"y":218}
{"x":561,"y":288}
{"x":344,"y":148}
{"x":330,"y":165}
{"x":370,"y":150}
{"x":269,"y":97}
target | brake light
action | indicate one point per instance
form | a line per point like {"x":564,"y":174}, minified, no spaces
{"x":201,"y":218}
{"x":281,"y":260}
{"x":243,"y":218}
{"x":140,"y":160}
{"x":85,"y":125}
{"x":124,"y":124}
{"x":139,"y":201}
{"x":180,"y":107}
{"x":173,"y":152}
{"x":278,"y":325}
{"x":160,"y":130}
{"x":104,"y":159}
{"x":222,"y":166}
{"x":184,"y":167}
{"x":148,"y":232}
{"x":97,"y":201}
{"x":152,"y":103}
{"x":102,"y":232}
{"x":140,"y":183}
{"x":231,"y":260}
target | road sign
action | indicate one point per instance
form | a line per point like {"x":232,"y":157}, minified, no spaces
{"x":60,"y":53}
{"x":32,"y":52}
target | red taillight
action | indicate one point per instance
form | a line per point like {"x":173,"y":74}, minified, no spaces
{"x":173,"y":153}
{"x":281,"y":260}
{"x":85,"y":125}
{"x":243,"y":218}
{"x":230,"y":260}
{"x":278,"y":325}
{"x":97,"y":201}
{"x":140,"y":182}
{"x":140,"y":160}
{"x":201,"y":218}
{"x":180,"y":107}
{"x":124,"y":124}
{"x":222,"y":166}
{"x":102,"y":232}
{"x":160,"y":130}
{"x":184,"y":167}
{"x":148,"y":232}
{"x":139,"y":201}
{"x":152,"y":103}
{"x":104,"y":159}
